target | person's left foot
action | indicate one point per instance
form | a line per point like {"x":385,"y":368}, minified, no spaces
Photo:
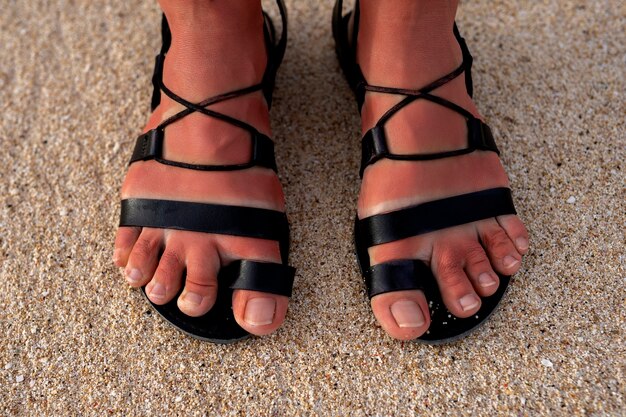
{"x":464,"y":259}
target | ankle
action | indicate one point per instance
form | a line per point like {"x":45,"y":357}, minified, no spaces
{"x":408,"y":45}
{"x":216,"y":47}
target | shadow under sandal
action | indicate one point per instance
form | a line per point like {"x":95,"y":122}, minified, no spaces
{"x":413,"y":274}
{"x":218,"y":325}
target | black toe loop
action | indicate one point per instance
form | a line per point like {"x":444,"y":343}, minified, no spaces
{"x":265,"y":277}
{"x":397,"y":275}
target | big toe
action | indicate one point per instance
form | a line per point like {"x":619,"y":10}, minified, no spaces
{"x":402,"y":314}
{"x":259,"y":313}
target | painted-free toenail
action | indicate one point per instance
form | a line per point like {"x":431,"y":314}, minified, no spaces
{"x":509,"y":261}
{"x":157,"y":291}
{"x":192,"y":298}
{"x":260,"y":311}
{"x":469,"y":302}
{"x":407,"y":313}
{"x":486,"y":280}
{"x":134,"y":275}
{"x":521,"y":243}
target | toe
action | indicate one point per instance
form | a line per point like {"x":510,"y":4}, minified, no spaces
{"x":516,"y":231}
{"x":402,"y":314}
{"x":501,"y":251}
{"x":478,"y":269}
{"x":256,"y":312}
{"x":200,"y":289}
{"x":456,"y":289}
{"x":165,"y":283}
{"x":143,"y":258}
{"x":259,"y":313}
{"x":124,"y":241}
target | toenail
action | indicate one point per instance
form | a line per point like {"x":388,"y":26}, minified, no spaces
{"x":407,"y":314}
{"x":509,"y":261}
{"x":260,"y":311}
{"x":469,"y":302}
{"x":134,"y":275}
{"x":116,"y":255}
{"x":521,"y":243}
{"x":486,"y":280}
{"x":192,"y":298}
{"x":157,"y":291}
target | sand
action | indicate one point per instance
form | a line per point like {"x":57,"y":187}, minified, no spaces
{"x":75,"y":88}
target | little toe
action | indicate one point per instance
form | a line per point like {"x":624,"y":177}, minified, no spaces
{"x":258,"y":312}
{"x":479,"y":270}
{"x":143,"y":258}
{"x":402,"y":314}
{"x":200,"y":290}
{"x":501,"y":251}
{"x":165,"y":283}
{"x":124,"y":241}
{"x":516,"y":231}
{"x":457,"y":291}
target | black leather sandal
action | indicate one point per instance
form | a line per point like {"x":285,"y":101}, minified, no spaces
{"x":412,"y":274}
{"x":218,"y":325}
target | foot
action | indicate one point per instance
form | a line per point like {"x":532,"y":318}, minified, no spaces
{"x":216,"y":48}
{"x":414,"y":50}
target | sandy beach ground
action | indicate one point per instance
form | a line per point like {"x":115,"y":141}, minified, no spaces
{"x":76,"y":340}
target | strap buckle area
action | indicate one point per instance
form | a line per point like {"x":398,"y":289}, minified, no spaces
{"x":148,"y":146}
{"x":479,"y":136}
{"x":262,"y":152}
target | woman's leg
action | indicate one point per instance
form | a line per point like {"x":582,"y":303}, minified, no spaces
{"x":409,"y":45}
{"x":217,"y":46}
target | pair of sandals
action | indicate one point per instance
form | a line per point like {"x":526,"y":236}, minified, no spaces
{"x":219,"y":325}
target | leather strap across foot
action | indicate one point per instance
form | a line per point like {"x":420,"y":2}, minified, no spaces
{"x":410,"y":274}
{"x":219,"y":324}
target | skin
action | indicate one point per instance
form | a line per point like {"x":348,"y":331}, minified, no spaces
{"x":409,"y":46}
{"x":216,"y":47}
{"x":417,"y":48}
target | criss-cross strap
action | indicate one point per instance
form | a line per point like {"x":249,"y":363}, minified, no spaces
{"x":374,"y":145}
{"x":149,"y":146}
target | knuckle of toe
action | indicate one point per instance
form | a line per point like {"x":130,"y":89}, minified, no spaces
{"x":144,"y":248}
{"x":475,"y":256}
{"x":448,"y":265}
{"x":497,"y":240}
{"x":206,"y":282}
{"x":170,"y":260}
{"x":451,"y":280}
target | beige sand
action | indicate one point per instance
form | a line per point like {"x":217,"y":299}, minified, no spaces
{"x":74,"y":88}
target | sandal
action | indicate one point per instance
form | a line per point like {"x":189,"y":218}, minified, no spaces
{"x":412,"y":274}
{"x":218,"y":325}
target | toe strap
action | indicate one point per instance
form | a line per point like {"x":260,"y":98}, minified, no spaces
{"x":395,"y":276}
{"x":267,"y":277}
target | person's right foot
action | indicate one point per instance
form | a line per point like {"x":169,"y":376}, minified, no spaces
{"x":216,"y":48}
